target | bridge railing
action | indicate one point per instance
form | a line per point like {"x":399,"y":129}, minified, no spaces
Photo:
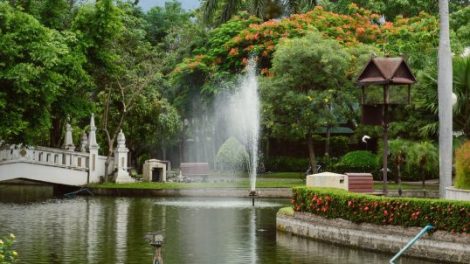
{"x":46,"y":156}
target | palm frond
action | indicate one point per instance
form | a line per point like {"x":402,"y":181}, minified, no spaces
{"x":257,"y":7}
{"x":229,"y":9}
{"x":209,"y":7}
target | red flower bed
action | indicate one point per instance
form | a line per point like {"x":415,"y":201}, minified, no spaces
{"x":451,"y":216}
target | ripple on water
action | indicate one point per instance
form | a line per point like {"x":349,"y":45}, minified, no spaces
{"x":218,"y":203}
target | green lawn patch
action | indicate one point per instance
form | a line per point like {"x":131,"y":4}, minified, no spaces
{"x":238,"y":183}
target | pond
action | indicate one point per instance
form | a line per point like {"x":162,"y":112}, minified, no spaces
{"x":196,"y":230}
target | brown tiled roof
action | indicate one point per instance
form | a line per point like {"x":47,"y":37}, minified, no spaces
{"x":386,"y":70}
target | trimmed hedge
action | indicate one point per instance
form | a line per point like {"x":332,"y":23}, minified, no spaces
{"x":357,"y":161}
{"x":451,"y":216}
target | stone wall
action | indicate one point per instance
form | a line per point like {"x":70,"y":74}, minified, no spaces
{"x":441,"y":246}
{"x":453,"y":193}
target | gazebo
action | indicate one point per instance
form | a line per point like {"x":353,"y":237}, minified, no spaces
{"x":389,"y":74}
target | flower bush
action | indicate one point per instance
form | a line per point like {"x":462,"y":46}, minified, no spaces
{"x":451,"y":216}
{"x":462,"y":166}
{"x":7,"y":254}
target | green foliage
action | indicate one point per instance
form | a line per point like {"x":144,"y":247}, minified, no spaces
{"x":297,"y":100}
{"x":460,"y":25}
{"x":7,"y":254}
{"x":444,"y":215}
{"x":283,"y":163}
{"x":37,"y":69}
{"x":418,"y":160}
{"x":232,"y":157}
{"x":390,"y":9}
{"x":423,"y":157}
{"x":461,"y":87}
{"x":161,"y":20}
{"x":462,"y":166}
{"x":357,"y":161}
{"x":426,"y":97}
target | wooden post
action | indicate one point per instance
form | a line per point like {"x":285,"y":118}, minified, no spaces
{"x":385,"y":139}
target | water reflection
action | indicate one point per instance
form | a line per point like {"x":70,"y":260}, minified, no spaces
{"x":25,"y":193}
{"x":205,"y":231}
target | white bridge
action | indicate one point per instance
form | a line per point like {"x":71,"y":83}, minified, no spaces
{"x":64,"y":166}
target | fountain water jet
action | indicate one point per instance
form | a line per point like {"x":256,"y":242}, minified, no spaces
{"x":243,"y":113}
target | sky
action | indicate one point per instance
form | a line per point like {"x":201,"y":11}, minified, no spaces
{"x":187,"y":4}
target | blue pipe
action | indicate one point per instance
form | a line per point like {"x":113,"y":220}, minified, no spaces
{"x":412,"y":241}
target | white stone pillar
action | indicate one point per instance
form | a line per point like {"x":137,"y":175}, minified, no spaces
{"x":93,"y":148}
{"x":68,"y":138}
{"x":120,"y":159}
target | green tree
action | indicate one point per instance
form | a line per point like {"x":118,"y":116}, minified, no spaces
{"x":161,"y":20}
{"x":310,"y":79}
{"x":424,"y":156}
{"x":459,"y":23}
{"x":462,"y":90}
{"x":38,"y":68}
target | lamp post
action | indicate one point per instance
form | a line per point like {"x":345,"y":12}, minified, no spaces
{"x":386,"y":72}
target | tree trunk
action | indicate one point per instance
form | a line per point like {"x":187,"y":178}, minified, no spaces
{"x":107,"y":175}
{"x":163,"y":151}
{"x":311,"y":153}
{"x":327,"y":143}
{"x":266,"y":155}
{"x":444,"y":82}
{"x":55,"y":133}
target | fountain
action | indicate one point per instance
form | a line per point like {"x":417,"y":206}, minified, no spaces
{"x":236,"y":114}
{"x":244,"y":119}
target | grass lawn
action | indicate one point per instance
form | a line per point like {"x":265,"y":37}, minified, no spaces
{"x":267,"y":180}
{"x":239,"y":183}
{"x":407,"y":186}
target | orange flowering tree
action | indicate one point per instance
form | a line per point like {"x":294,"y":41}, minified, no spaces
{"x":231,"y":45}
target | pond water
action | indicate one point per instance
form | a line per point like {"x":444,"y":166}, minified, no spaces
{"x":196,"y":231}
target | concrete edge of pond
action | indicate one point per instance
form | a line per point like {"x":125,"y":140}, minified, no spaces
{"x":440,"y":246}
{"x":205,"y":192}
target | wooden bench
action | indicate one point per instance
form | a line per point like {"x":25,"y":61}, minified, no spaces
{"x":360,"y":182}
{"x":193,"y":170}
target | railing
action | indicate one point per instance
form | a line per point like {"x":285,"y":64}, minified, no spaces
{"x":45,"y":156}
{"x":412,"y":241}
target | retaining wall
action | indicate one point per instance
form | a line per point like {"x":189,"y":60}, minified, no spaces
{"x":440,"y":246}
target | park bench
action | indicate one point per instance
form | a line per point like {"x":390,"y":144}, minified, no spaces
{"x":195,"y":170}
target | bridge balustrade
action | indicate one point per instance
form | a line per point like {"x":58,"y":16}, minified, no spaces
{"x":46,"y":156}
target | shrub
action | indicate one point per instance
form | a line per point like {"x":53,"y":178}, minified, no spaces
{"x":451,"y":216}
{"x":357,"y":161}
{"x":231,"y":157}
{"x":283,"y":163}
{"x":7,"y":254}
{"x":462,"y":166}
